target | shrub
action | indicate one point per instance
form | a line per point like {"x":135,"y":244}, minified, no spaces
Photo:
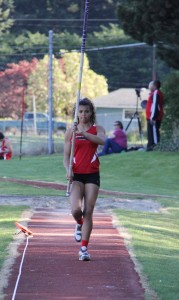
{"x":170,"y":124}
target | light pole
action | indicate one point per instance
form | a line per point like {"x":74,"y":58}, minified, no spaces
{"x":154,"y":65}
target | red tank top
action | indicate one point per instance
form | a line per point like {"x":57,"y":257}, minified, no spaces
{"x":85,"y":154}
{"x":3,"y":147}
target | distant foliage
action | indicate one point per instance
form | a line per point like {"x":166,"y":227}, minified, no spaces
{"x":65,"y":78}
{"x":123,"y":67}
{"x":6,"y":9}
{"x":26,"y":27}
{"x":28,"y":37}
{"x":154,"y":22}
{"x":55,"y":9}
{"x":31,"y":79}
{"x":170,"y":125}
{"x":12,"y":83}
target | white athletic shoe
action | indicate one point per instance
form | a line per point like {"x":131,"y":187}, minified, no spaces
{"x":77,"y":234}
{"x":83,"y":254}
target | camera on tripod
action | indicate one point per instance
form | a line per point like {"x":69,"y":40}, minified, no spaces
{"x":137,"y":90}
{"x":136,"y":116}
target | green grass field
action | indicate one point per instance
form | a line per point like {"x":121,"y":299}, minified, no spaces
{"x":154,"y":236}
{"x":8,"y":215}
{"x":7,"y":188}
{"x":36,"y":144}
{"x":142,"y":172}
{"x":155,"y":242}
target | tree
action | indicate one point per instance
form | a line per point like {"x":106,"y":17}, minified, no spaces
{"x":15,"y":48}
{"x":93,"y":85}
{"x":123,"y":67}
{"x":65,"y":76}
{"x":153,"y":22}
{"x":127,"y":67}
{"x":6,"y":9}
{"x":170,"y":124}
{"x":53,"y":10}
{"x":12,"y":82}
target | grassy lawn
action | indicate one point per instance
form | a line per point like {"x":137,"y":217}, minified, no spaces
{"x":145,"y":172}
{"x":8,"y":215}
{"x":7,"y":188}
{"x":142,"y":172}
{"x":34,"y":145}
{"x":155,"y":242}
{"x":45,"y":168}
{"x":154,"y":236}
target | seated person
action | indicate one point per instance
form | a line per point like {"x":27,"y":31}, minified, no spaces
{"x":117,"y":143}
{"x":5,"y":147}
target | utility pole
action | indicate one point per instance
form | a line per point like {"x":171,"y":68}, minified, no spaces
{"x":154,"y":65}
{"x":50,"y":94}
{"x":35,"y":115}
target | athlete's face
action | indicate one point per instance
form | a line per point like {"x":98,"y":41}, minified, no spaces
{"x":84,"y":113}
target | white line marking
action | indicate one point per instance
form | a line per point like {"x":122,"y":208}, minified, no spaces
{"x":20,"y":269}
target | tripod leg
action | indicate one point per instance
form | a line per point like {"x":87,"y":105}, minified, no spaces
{"x":140,"y":129}
{"x":129,"y":123}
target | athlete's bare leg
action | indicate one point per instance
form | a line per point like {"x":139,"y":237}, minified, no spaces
{"x":76,"y":198}
{"x":91,"y":193}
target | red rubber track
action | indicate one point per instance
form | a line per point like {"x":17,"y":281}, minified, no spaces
{"x":52,"y":271}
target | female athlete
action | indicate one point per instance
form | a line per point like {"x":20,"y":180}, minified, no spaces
{"x":85,"y":176}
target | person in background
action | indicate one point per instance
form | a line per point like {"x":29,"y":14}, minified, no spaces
{"x":117,"y":143}
{"x":154,"y":114}
{"x":5,"y":148}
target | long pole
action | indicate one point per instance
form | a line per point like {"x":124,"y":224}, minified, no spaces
{"x":83,"y":43}
{"x":22,"y":119}
{"x":50,"y":94}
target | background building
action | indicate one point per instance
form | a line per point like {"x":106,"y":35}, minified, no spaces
{"x":119,"y":105}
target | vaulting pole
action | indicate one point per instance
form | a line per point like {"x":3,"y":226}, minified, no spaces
{"x":84,"y":34}
{"x":50,"y":94}
{"x":22,"y":118}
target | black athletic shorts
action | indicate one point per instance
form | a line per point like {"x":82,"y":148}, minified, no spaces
{"x":87,"y":178}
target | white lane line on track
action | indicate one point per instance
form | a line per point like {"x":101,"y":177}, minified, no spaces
{"x":20,"y":269}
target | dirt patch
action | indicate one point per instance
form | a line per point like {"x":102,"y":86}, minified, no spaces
{"x":129,"y":204}
{"x":63,"y":203}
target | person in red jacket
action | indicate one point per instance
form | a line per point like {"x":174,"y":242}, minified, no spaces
{"x":85,"y":178}
{"x":154,"y":114}
{"x":5,"y":148}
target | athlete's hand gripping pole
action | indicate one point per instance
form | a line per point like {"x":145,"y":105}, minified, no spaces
{"x":78,"y":93}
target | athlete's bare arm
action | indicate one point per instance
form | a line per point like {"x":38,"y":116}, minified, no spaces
{"x":8,"y":146}
{"x":99,"y":138}
{"x":67,"y":149}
